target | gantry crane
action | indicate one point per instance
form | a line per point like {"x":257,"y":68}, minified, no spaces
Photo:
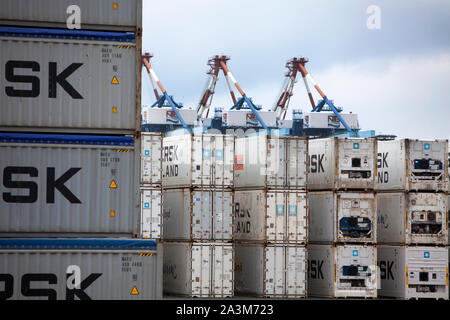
{"x":294,"y":66}
{"x":161,"y":99}
{"x":217,"y":63}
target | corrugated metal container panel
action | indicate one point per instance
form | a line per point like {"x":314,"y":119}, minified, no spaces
{"x":271,"y":270}
{"x":123,"y":15}
{"x":342,"y":271}
{"x":59,"y":80}
{"x":242,"y":118}
{"x":412,"y":165}
{"x":342,"y":163}
{"x":413,"y":272}
{"x":425,"y":215}
{"x":330,"y":120}
{"x":151,"y":158}
{"x":199,"y":214}
{"x":279,"y":216}
{"x":271,"y":161}
{"x":151,"y":213}
{"x":69,"y":185}
{"x":76,"y":269}
{"x":342,"y":217}
{"x":203,"y":160}
{"x":199,"y":269}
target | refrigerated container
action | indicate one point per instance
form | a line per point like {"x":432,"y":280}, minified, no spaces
{"x":342,"y":271}
{"x":81,"y":269}
{"x":203,"y":270}
{"x":247,"y":119}
{"x":198,"y":160}
{"x":70,"y":81}
{"x":342,"y":217}
{"x":412,"y":218}
{"x":266,"y":270}
{"x":342,"y":163}
{"x":198,"y":214}
{"x":274,"y":216}
{"x":69,"y":186}
{"x":412,"y":165}
{"x":151,"y":158}
{"x":151,"y":213}
{"x":118,"y":15}
{"x":413,"y":272}
{"x":274,"y":162}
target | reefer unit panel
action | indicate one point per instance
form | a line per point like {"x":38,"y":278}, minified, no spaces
{"x":66,"y":185}
{"x":81,"y":269}
{"x":151,"y":213}
{"x":412,"y":218}
{"x":338,"y":217}
{"x":151,"y":158}
{"x":68,"y":81}
{"x":413,"y":272}
{"x":412,"y":165}
{"x":342,"y":163}
{"x":122,"y":15}
{"x":272,"y":162}
{"x":199,"y":214}
{"x":203,"y":160}
{"x":266,"y":270}
{"x":279,"y":216}
{"x":199,"y":269}
{"x":342,"y":271}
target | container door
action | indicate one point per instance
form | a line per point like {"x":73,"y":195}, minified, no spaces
{"x":297,"y":217}
{"x":201,"y":270}
{"x":296,"y":271}
{"x":151,"y":218}
{"x":223,"y":215}
{"x":275,"y":271}
{"x":223,"y":266}
{"x":276,"y":162}
{"x":296,"y":163}
{"x":151,"y":158}
{"x":202,"y":215}
{"x":276,"y":216}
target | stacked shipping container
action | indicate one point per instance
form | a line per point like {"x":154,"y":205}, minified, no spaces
{"x":271,"y":216}
{"x":198,"y":198}
{"x":412,"y":218}
{"x":65,"y":90}
{"x":342,"y":226}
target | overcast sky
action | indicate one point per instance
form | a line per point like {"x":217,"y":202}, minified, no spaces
{"x":396,"y":78}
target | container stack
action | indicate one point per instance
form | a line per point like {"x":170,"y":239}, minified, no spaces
{"x":70,"y":158}
{"x":270,"y":216}
{"x":342,"y":228}
{"x":412,"y":218}
{"x":198,"y":202}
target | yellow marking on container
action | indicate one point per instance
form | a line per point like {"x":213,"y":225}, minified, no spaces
{"x":113,"y":185}
{"x":112,"y":213}
{"x":145,"y":254}
{"x":406,"y":275}
{"x":134,"y":291}
{"x":123,"y":150}
{"x":446,"y":276}
{"x":114,"y":80}
{"x":115,"y":6}
{"x":114,"y":109}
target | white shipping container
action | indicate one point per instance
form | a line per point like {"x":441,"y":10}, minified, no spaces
{"x":202,"y":160}
{"x":342,"y":271}
{"x":266,"y":270}
{"x":124,"y":15}
{"x":151,"y":213}
{"x":275,"y":216}
{"x":412,"y":218}
{"x":199,"y":214}
{"x":151,"y":158}
{"x":413,"y":272}
{"x":338,"y":217}
{"x":412,"y":165}
{"x":342,"y":163}
{"x":198,"y":269}
{"x":81,"y":269}
{"x":246,"y":118}
{"x":330,"y":120}
{"x":64,"y":81}
{"x":167,"y":116}
{"x":67,"y":185}
{"x":271,"y":161}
